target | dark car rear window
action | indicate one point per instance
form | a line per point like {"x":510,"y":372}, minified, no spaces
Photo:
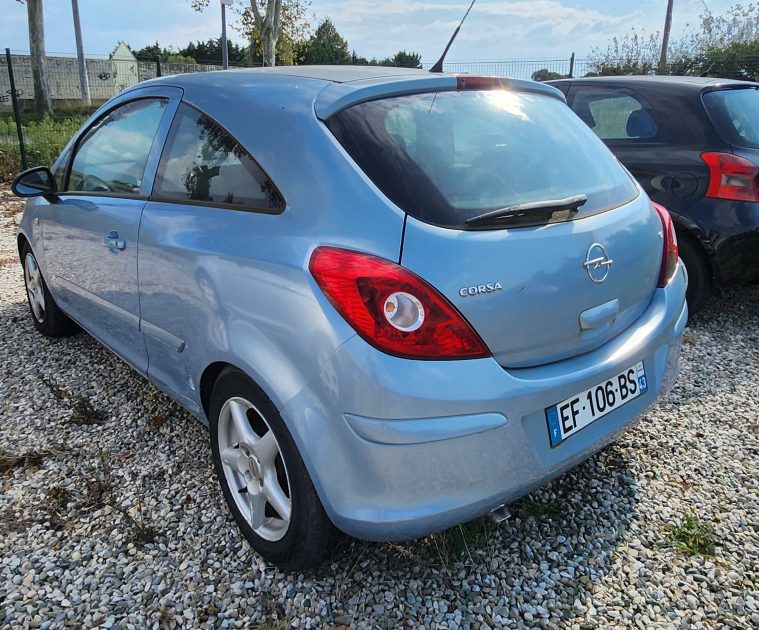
{"x":448,"y":156}
{"x":735,"y":114}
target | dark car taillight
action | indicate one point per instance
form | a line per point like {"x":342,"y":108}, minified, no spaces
{"x":731,"y":177}
{"x":392,"y":308}
{"x":670,"y":255}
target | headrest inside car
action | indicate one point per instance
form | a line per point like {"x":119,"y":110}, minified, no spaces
{"x":640,"y":125}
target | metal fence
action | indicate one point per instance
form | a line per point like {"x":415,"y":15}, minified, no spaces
{"x":27,"y":139}
{"x":520,"y":68}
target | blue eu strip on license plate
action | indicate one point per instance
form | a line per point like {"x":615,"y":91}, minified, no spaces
{"x":577,"y":412}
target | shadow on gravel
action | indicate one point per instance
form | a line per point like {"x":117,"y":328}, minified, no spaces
{"x":540,"y":566}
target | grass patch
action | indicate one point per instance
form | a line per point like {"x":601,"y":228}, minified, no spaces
{"x":530,"y":507}
{"x":694,"y":537}
{"x":44,"y":136}
{"x":458,"y":542}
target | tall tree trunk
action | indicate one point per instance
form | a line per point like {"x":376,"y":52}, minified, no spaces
{"x":42,"y":102}
{"x":268,"y":50}
{"x":665,"y":38}
{"x":267,"y":23}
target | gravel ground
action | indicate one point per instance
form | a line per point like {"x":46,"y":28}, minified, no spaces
{"x":113,"y":516}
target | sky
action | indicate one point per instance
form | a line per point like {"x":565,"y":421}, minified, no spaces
{"x":495,"y":29}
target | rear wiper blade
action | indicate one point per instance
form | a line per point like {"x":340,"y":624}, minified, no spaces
{"x":530,"y":213}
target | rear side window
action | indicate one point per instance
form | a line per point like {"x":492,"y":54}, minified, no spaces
{"x":614,"y":114}
{"x":111,"y":156}
{"x":449,"y":156}
{"x":736,"y":115}
{"x":203,"y":163}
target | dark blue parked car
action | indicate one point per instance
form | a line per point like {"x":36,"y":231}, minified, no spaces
{"x":693,"y":144}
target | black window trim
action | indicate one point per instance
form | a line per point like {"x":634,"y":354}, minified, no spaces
{"x":75,"y":148}
{"x":212,"y":204}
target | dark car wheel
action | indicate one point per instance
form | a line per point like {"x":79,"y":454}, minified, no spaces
{"x":264,"y":480}
{"x":47,"y":318}
{"x":700,"y":283}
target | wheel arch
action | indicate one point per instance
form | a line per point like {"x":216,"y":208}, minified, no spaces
{"x":691,"y":231}
{"x":21,"y":240}
{"x":214,"y":370}
{"x":208,"y":379}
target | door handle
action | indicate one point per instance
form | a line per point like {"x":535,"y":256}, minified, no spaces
{"x":113,"y":241}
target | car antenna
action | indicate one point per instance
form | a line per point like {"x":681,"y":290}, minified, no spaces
{"x":438,"y":67}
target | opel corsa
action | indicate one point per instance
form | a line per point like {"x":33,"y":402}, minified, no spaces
{"x":399,"y":299}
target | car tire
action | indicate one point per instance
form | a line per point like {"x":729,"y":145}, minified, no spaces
{"x":262,"y":476}
{"x":700,"y":282}
{"x":47,"y":317}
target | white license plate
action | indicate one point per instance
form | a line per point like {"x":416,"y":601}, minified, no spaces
{"x":571,"y":415}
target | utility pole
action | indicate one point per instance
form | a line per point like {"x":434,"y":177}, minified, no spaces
{"x":84,"y":81}
{"x":224,"y":49}
{"x":665,"y":37}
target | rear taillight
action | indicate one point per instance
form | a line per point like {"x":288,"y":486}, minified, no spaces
{"x":731,"y":177}
{"x":670,"y":255}
{"x":392,"y":308}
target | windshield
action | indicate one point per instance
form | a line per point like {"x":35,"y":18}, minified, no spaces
{"x":449,"y":156}
{"x":736,"y":115}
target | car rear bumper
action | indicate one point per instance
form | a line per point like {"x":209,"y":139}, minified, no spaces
{"x":399,"y":448}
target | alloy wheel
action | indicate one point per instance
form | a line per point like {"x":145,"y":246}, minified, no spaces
{"x":34,"y":288}
{"x":254,"y":469}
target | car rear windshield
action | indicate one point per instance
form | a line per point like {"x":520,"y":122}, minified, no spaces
{"x":446,"y":157}
{"x":735,"y":113}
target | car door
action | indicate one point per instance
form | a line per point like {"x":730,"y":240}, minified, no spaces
{"x":207,"y":246}
{"x":90,"y":232}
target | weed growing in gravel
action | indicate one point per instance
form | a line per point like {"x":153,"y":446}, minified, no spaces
{"x":57,"y":497}
{"x":462,"y":540}
{"x":83,"y":411}
{"x":530,"y":507}
{"x":694,"y":537}
{"x":28,"y":459}
{"x":99,"y":493}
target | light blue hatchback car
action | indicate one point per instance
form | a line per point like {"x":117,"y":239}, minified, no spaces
{"x":399,"y":299}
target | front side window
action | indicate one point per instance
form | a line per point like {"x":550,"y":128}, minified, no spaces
{"x":111,"y":156}
{"x":446,"y":157}
{"x":203,"y":163}
{"x":614,"y":114}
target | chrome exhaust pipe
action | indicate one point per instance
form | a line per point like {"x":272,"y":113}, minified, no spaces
{"x":499,"y":514}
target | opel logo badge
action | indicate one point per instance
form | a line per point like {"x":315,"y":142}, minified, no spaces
{"x":597,"y":263}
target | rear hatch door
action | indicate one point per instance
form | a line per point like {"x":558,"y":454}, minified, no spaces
{"x":537,"y":285}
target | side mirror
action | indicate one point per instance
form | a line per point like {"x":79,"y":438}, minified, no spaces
{"x":34,"y":182}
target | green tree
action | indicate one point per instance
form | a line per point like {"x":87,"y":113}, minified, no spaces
{"x":544,"y":74}
{"x":404,"y":59}
{"x":151,"y":51}
{"x":276,"y":29}
{"x":722,"y":45}
{"x":633,"y":53}
{"x":326,"y":46}
{"x":210,"y":52}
